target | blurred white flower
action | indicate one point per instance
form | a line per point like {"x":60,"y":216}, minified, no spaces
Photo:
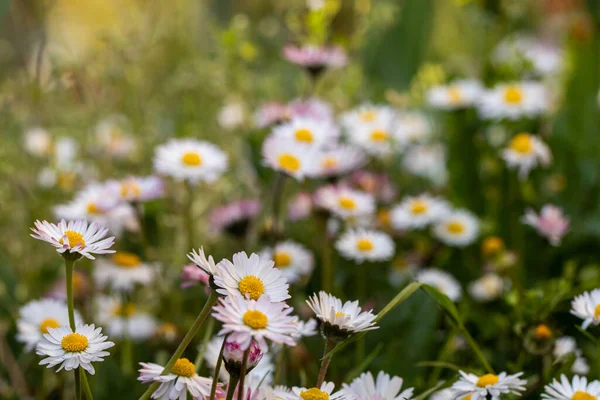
{"x":458,"y":94}
{"x":123,"y":271}
{"x":524,"y":152}
{"x":458,"y":228}
{"x":231,"y":115}
{"x":38,"y":142}
{"x":416,"y":212}
{"x":487,"y":288}
{"x":125,"y":320}
{"x":362,"y":245}
{"x":344,"y":202}
{"x":113,"y":136}
{"x":293,"y":260}
{"x":551,"y":223}
{"x":545,"y":56}
{"x":307,"y":131}
{"x":442,"y":281}
{"x":514,"y":100}
{"x":427,"y":162}
{"x":411,"y":127}
{"x":296,"y":160}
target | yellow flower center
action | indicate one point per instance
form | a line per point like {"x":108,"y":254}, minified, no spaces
{"x":183,"y":367}
{"x":492,"y":245}
{"x":542,"y":332}
{"x":364,"y":245}
{"x":329,"y":162}
{"x":467,"y":397}
{"x":368,"y":115}
{"x":130,"y":189}
{"x":282,"y":259}
{"x":92,"y":208}
{"x":48,"y":323}
{"x":289,"y":162}
{"x":487,"y":380}
{"x":74,"y":342}
{"x":304,"y":135}
{"x":339,"y":314}
{"x":252,"y":286}
{"x":191,"y":159}
{"x":454,"y":94}
{"x":418,"y":207}
{"x":74,"y":238}
{"x":255,"y":319}
{"x":378,"y":136}
{"x":126,"y":310}
{"x":513,"y":95}
{"x":522,"y":143}
{"x":347,"y":203}
{"x":597,"y":311}
{"x":579,"y":395}
{"x":126,"y":260}
{"x":455,"y":227}
{"x":314,"y":394}
{"x":383,"y":217}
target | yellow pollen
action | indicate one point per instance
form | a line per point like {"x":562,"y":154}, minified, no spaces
{"x":347,"y":203}
{"x":126,"y":260}
{"x":455,"y":227}
{"x":74,"y":342}
{"x":314,"y":394}
{"x":304,"y":135}
{"x":252,"y":286}
{"x":379,"y":136}
{"x":130,"y":189}
{"x":522,"y":143}
{"x":513,"y":95}
{"x":454,"y":94}
{"x":579,"y":395}
{"x":92,"y":208}
{"x":339,"y":314}
{"x":48,"y":323}
{"x":289,"y":162}
{"x":467,"y":397}
{"x":74,"y":238}
{"x":183,"y":367}
{"x":418,"y":207}
{"x":487,"y":380}
{"x":255,"y":319}
{"x":597,"y":311}
{"x":364,"y":245}
{"x":492,"y":245}
{"x":282,"y":259}
{"x":542,"y":332}
{"x":329,"y":162}
{"x":191,"y":159}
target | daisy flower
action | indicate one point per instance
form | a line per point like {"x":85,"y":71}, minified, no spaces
{"x":524,"y":152}
{"x":427,"y":162}
{"x":289,"y":157}
{"x":375,"y":140}
{"x":74,"y":237}
{"x":73,"y":349}
{"x":315,"y":58}
{"x":411,"y":127}
{"x":323,"y":393}
{"x":38,"y":141}
{"x":307,"y":131}
{"x":138,"y":188}
{"x":205,"y":264}
{"x":368,"y":115}
{"x":293,"y":260}
{"x":458,"y":94}
{"x":37,"y":316}
{"x":489,"y":384}
{"x":442,"y":281}
{"x":231,"y":115}
{"x":177,"y":383}
{"x":514,"y":100}
{"x":563,"y":346}
{"x":191,"y":160}
{"x":306,"y":329}
{"x":458,"y":228}
{"x":577,"y":389}
{"x":123,"y":271}
{"x":338,"y":160}
{"x":344,"y":202}
{"x":416,"y":212}
{"x":365,"y":245}
{"x":251,"y":277}
{"x":551,"y":223}
{"x":235,"y":217}
{"x":365,"y":387}
{"x":587,"y":307}
{"x":125,"y":320}
{"x":340,"y":320}
{"x":260,"y":320}
{"x":487,"y":288}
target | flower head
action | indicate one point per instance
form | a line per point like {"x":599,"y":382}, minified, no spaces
{"x":487,"y":288}
{"x":416,"y":212}
{"x":551,"y":223}
{"x":365,"y":245}
{"x":125,"y":320}
{"x":200,"y":260}
{"x":315,"y":58}
{"x":293,"y":260}
{"x":137,"y":188}
{"x":365,"y":387}
{"x":233,"y":356}
{"x":577,"y":389}
{"x":337,"y":160}
{"x":344,"y":202}
{"x":442,"y":281}
{"x":587,"y":307}
{"x":285,"y":155}
{"x":514,"y":100}
{"x":192,"y":276}
{"x":525,"y":152}
{"x":123,"y":271}
{"x":488,"y":384}
{"x":177,"y":383}
{"x":459,"y":228}
{"x":307,"y":131}
{"x":235,"y":217}
{"x":322,"y":393}
{"x":458,"y":94}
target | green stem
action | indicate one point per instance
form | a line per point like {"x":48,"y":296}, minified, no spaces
{"x":277,"y":196}
{"x":329,"y":346}
{"x":243,"y":374}
{"x":185,"y":342}
{"x":213,"y":388}
{"x":327,"y":271}
{"x":77,"y":383}
{"x":189,"y":216}
{"x":232,"y":384}
{"x":86,"y":386}
{"x":280,"y":365}
{"x":127,"y":355}
{"x":476,"y":350}
{"x":207,"y":334}
{"x":69,"y":284}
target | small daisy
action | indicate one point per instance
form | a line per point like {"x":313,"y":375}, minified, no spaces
{"x":368,"y":115}
{"x":416,"y":212}
{"x":366,"y":245}
{"x":386,"y":387}
{"x":205,"y":264}
{"x":315,"y":58}
{"x":251,"y":277}
{"x":74,"y":237}
{"x":293,"y":260}
{"x":177,"y":383}
{"x":524,"y":152}
{"x":190,"y":159}
{"x":375,"y":140}
{"x":514,"y":101}
{"x":344,"y":202}
{"x":338,"y":160}
{"x":323,"y":393}
{"x":73,"y":349}
{"x":411,"y":127}
{"x":587,"y":307}
{"x":493,"y":385}
{"x":125,"y":320}
{"x":306,"y":329}
{"x":340,"y":320}
{"x":577,"y":389}
{"x":487,"y":288}
{"x":307,"y":131}
{"x":123,"y":271}
{"x":563,"y":346}
{"x":580,"y":366}
{"x":551,"y":223}
{"x":138,"y":188}
{"x":235,"y":217}
{"x":458,"y":94}
{"x":458,"y":228}
{"x":244,"y":320}
{"x":37,"y":316}
{"x":288,"y":156}
{"x":427,"y":162}
{"x":442,"y":281}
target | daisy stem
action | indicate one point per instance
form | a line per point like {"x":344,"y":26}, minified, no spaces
{"x":329,"y":346}
{"x":212,"y":299}
{"x":86,"y":386}
{"x":233,"y":381}
{"x":77,"y":384}
{"x":71,"y":311}
{"x":213,"y":388}
{"x":327,"y":270}
{"x":243,"y":374}
{"x":277,"y":195}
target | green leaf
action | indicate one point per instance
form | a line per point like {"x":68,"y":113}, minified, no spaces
{"x":586,"y":334}
{"x":444,"y":302}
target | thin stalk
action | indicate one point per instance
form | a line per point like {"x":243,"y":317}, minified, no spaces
{"x":189,"y":216}
{"x":280,"y":365}
{"x":231,"y":389}
{"x":329,"y":346}
{"x":71,"y":312}
{"x":213,"y":388}
{"x":86,"y":386}
{"x":77,"y":384}
{"x":327,"y":272}
{"x":276,"y":206}
{"x":185,"y":342}
{"x":207,"y":334}
{"x":243,"y":374}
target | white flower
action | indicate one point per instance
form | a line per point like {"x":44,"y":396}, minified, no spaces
{"x":551,"y":223}
{"x":545,"y":57}
{"x":38,"y":141}
{"x":444,"y":394}
{"x":190,"y":159}
{"x":344,"y":318}
{"x":580,"y":366}
{"x":293,"y":260}
{"x":365,"y":387}
{"x":370,"y":127}
{"x":411,"y":127}
{"x":74,"y":237}
{"x":368,"y":115}
{"x":487,"y":288}
{"x":442,"y":281}
{"x":125,"y":320}
{"x":198,"y":258}
{"x":177,"y":383}
{"x":459,"y":228}
{"x":260,"y":320}
{"x":563,"y":346}
{"x":344,"y":202}
{"x":338,"y":160}
{"x":307,"y":131}
{"x":123,"y":271}
{"x":514,"y":101}
{"x":416,"y":212}
{"x":488,"y":385}
{"x":458,"y":94}
{"x":137,"y":188}
{"x":113,"y":136}
{"x":251,"y":277}
{"x":587,"y":307}
{"x":37,"y":316}
{"x":577,"y":389}
{"x":231,"y":115}
{"x":73,"y":349}
{"x":308,"y":328}
{"x":296,"y":160}
{"x":427,"y":162}
{"x":524,"y":152}
{"x":322,"y":393}
{"x":362,"y":244}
